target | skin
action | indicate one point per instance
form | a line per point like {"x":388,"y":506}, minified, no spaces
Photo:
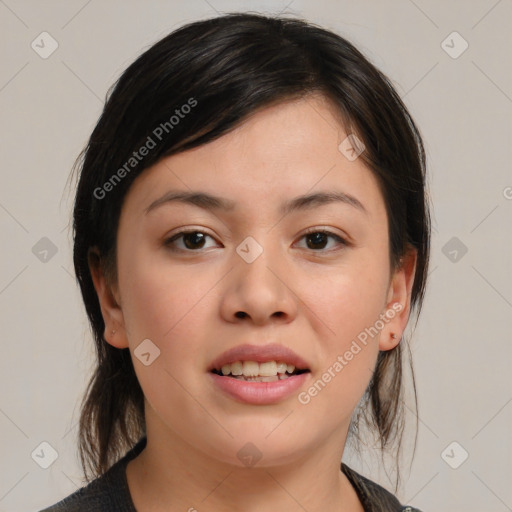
{"x":314,"y":297}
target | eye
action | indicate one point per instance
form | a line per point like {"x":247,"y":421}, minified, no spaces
{"x":195,"y":240}
{"x":318,"y":239}
{"x":191,"y":240}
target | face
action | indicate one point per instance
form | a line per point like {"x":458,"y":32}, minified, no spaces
{"x":290,"y":263}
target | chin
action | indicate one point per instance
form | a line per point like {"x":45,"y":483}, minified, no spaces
{"x":253,"y":447}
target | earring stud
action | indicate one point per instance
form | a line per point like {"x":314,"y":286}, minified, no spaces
{"x":393,"y":335}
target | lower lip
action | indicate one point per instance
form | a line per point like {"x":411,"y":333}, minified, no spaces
{"x":259,"y":393}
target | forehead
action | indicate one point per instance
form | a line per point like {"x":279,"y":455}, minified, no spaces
{"x":282,"y":151}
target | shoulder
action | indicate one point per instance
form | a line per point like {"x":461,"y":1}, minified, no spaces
{"x":103,"y":494}
{"x":373,"y":496}
{"x":107,"y":493}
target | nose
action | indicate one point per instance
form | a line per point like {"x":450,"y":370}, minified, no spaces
{"x":259,"y":292}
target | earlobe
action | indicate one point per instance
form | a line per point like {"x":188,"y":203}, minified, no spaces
{"x":388,"y":338}
{"x":399,"y":301}
{"x":111,"y":311}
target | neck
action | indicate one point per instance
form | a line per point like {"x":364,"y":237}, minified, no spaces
{"x":173,"y":476}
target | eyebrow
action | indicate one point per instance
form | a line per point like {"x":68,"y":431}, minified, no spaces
{"x":210,"y":202}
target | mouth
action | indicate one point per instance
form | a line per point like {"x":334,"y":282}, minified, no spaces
{"x":253,"y":371}
{"x":259,"y":375}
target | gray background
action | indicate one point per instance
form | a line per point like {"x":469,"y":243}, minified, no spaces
{"x":462,"y":348}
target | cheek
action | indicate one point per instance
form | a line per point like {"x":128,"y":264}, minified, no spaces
{"x":171,"y":307}
{"x":349,"y":303}
{"x":156,"y":296}
{"x":346,"y":299}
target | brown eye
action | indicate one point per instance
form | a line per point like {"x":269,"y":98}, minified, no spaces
{"x":318,"y":240}
{"x":190,"y":241}
{"x":194,"y":240}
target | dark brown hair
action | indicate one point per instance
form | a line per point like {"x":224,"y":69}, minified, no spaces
{"x":231,"y":66}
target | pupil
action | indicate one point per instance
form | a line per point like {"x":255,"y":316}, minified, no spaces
{"x":195,"y":237}
{"x":318,"y":238}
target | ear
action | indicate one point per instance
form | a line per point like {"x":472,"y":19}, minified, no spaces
{"x":115,"y":331}
{"x":398,"y":305}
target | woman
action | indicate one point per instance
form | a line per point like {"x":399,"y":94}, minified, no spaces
{"x":251,"y":236}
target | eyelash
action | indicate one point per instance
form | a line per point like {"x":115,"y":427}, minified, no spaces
{"x":169,"y":242}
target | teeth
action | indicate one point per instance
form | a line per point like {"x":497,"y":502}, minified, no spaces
{"x":274,"y":378}
{"x":281,"y":367}
{"x":268,"y":369}
{"x":250,"y":370}
{"x":237,"y":368}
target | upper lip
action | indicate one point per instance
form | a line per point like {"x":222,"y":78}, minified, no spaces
{"x":260,"y":354}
